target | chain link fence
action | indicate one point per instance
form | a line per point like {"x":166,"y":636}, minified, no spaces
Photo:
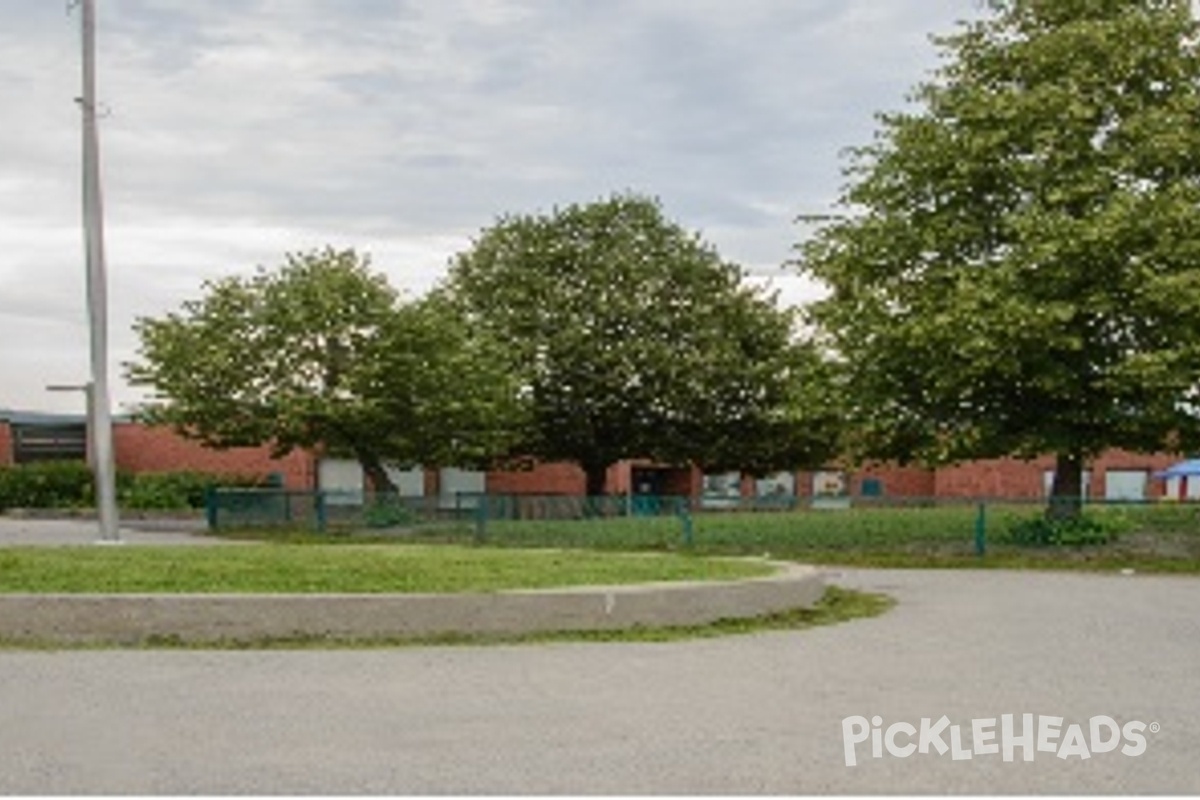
{"x":794,"y":529}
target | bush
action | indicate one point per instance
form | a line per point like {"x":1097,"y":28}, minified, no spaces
{"x":48,"y":484}
{"x":1075,"y":531}
{"x":388,"y":511}
{"x":68,"y":484}
{"x":176,"y":491}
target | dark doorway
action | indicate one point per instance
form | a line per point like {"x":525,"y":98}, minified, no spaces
{"x":651,"y":484}
{"x":650,"y":481}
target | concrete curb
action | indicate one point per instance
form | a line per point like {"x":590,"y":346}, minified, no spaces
{"x":197,"y":618}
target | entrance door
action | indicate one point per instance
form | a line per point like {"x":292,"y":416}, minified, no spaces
{"x":649,"y":487}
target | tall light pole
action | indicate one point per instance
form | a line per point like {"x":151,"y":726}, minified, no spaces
{"x":99,"y":409}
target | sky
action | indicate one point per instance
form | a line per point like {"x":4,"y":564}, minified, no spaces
{"x":236,"y":131}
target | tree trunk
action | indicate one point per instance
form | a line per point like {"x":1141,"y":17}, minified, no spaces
{"x":597,"y":479}
{"x":377,"y":476}
{"x":1067,"y":490}
{"x":597,"y":489}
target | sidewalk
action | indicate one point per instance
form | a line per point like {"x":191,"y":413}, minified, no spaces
{"x":20,"y":532}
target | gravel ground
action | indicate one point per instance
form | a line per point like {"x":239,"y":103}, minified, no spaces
{"x":744,"y":715}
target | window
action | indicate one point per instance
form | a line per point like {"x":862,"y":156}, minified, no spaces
{"x":1128,"y":485}
{"x":49,"y":443}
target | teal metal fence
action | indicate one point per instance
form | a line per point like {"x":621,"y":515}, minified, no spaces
{"x":896,"y":526}
{"x":445,"y":515}
{"x":228,"y":509}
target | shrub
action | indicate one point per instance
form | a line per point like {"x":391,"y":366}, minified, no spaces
{"x":69,"y":484}
{"x":388,"y":511}
{"x":47,"y":484}
{"x":171,"y":491}
{"x":1043,"y":531}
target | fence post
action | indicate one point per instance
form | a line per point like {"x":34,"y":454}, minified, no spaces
{"x":685,"y":517}
{"x":319,"y":503}
{"x":981,"y":531}
{"x":481,"y":515}
{"x":210,"y":507}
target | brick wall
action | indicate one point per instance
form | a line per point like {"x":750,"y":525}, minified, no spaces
{"x":1000,"y":477}
{"x":1006,"y":477}
{"x":569,"y":479}
{"x":145,"y":449}
{"x":1018,"y":479}
{"x":686,"y":482}
{"x":6,"y":444}
{"x":896,"y":481}
{"x":565,"y":478}
{"x":140,"y":448}
{"x":558,"y":478}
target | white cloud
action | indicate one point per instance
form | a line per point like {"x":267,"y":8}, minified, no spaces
{"x":239,"y":130}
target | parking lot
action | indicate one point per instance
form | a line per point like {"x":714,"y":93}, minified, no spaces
{"x":753,"y":714}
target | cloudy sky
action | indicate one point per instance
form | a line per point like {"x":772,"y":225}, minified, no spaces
{"x":238,"y":130}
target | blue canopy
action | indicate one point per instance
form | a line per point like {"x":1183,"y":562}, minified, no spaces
{"x":1184,"y":469}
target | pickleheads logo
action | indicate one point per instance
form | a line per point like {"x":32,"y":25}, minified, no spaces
{"x":1030,"y":734}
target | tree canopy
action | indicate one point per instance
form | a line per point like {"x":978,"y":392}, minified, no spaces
{"x":1018,"y":271}
{"x":632,"y":338}
{"x":323,"y":352}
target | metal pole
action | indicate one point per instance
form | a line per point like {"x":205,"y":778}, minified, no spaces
{"x":981,"y":530}
{"x":99,"y":413}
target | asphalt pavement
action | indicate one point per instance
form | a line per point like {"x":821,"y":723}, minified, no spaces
{"x":754,"y":714}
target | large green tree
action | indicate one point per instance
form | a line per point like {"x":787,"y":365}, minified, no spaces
{"x":632,"y":338}
{"x":1019,"y":268}
{"x":322,"y":352}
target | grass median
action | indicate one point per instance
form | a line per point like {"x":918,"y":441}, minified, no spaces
{"x":350,"y":569}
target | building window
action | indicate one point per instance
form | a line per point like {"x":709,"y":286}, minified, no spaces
{"x":49,"y":443}
{"x":1126,"y":485}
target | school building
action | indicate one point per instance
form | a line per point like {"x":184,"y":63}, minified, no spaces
{"x":26,"y":437}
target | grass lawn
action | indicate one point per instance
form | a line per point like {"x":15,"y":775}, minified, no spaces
{"x":1150,"y":538}
{"x":353,"y":569}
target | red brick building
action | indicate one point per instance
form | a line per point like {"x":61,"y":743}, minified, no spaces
{"x":139,"y":448}
{"x":29,"y":436}
{"x":1116,"y":475}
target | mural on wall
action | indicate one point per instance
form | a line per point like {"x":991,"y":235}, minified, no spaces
{"x":776,"y":490}
{"x":830,"y":489}
{"x":830,"y":484}
{"x":723,"y":490}
{"x":782,"y":483}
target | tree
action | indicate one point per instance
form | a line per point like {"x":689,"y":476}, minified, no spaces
{"x":1019,"y":269}
{"x":321,"y":352}
{"x":633,"y":339}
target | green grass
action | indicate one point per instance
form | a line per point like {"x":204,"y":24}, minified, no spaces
{"x":835,"y":607}
{"x":1159,"y":537}
{"x":355,"y":569}
{"x":784,"y":533}
{"x":1150,"y":538}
